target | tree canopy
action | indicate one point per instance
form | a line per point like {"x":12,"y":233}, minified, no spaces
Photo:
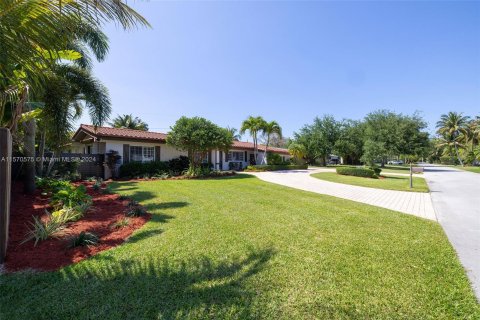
{"x":198,"y":136}
{"x":128,"y":121}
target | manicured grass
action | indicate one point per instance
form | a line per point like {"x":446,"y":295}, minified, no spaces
{"x":471,"y":169}
{"x":387,"y":169}
{"x":240,"y":248}
{"x":384,"y":182}
{"x":398,"y":169}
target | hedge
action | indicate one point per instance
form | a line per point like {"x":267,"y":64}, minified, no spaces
{"x":268,"y":167}
{"x":357,"y":172}
{"x":139,"y":169}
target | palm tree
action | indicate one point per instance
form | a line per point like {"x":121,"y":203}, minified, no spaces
{"x":453,"y":129}
{"x":297,"y":150}
{"x":127,"y":121}
{"x":473,"y":132}
{"x":254,"y":125}
{"x":271,"y":128}
{"x":235,"y":136}
{"x":36,"y":34}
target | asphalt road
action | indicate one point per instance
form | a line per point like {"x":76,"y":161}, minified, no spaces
{"x":456,"y":200}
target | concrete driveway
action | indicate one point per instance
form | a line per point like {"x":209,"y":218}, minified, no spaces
{"x":456,"y":199}
{"x":414,"y":203}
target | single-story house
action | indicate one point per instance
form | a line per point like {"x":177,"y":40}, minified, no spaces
{"x":144,"y":146}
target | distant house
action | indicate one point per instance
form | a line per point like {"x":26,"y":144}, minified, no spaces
{"x":145,"y":146}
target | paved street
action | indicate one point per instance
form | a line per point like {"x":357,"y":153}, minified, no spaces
{"x":456,"y":199}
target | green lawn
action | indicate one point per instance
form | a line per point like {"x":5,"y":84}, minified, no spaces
{"x":388,"y":182}
{"x":398,"y":169}
{"x":386,"y":169}
{"x":240,"y":248}
{"x":471,"y":169}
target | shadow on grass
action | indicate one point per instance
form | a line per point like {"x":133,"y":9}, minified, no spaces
{"x":393,"y":177}
{"x":148,"y":288}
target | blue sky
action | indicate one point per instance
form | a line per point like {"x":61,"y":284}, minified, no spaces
{"x":290,"y":61}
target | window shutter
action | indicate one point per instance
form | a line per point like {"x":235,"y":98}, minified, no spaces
{"x":126,"y":153}
{"x":157,"y":153}
{"x":245,"y":158}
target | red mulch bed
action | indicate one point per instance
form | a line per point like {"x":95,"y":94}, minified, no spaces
{"x":53,"y":254}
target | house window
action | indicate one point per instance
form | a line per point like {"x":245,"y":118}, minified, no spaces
{"x":235,"y":156}
{"x":142,"y":154}
{"x":148,"y":154}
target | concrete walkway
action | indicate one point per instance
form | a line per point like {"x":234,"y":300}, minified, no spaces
{"x":414,"y":203}
{"x":456,"y":199}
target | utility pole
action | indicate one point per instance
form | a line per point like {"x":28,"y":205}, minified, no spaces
{"x":411,"y":175}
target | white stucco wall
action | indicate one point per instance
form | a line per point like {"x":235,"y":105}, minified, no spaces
{"x":166,"y":152}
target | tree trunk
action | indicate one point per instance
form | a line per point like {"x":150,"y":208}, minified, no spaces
{"x":255,"y":148}
{"x":51,"y":163}
{"x":41,"y":152}
{"x":265,"y":160}
{"x":458,"y":156}
{"x":29,"y":151}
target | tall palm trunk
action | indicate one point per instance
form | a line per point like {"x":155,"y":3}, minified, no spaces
{"x":29,"y":151}
{"x":265,"y":160}
{"x":458,"y":156}
{"x":41,"y":151}
{"x":55,"y":155}
{"x":255,"y":148}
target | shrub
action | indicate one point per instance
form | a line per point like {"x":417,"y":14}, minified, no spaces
{"x":133,"y":203}
{"x":277,"y":167}
{"x":70,"y":197}
{"x":178,"y":165}
{"x":107,"y":190}
{"x":134,"y":169}
{"x":42,"y":230}
{"x":122,"y":223}
{"x":97,"y":185}
{"x":376,"y":169}
{"x":136,"y":212}
{"x":356,"y":171}
{"x":83,"y":239}
{"x":53,"y":185}
{"x":155,"y":168}
{"x":65,"y":215}
{"x":275,"y":159}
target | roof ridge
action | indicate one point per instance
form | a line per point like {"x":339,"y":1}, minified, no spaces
{"x":126,"y":129}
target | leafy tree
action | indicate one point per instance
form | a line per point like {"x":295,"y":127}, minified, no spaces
{"x":270,"y":129}
{"x":198,"y":136}
{"x":452,"y":128}
{"x":127,"y":121}
{"x":381,"y":130}
{"x":349,"y":144}
{"x":254,"y":125}
{"x":396,"y":134}
{"x":413,"y":141}
{"x":372,"y":151}
{"x":318,"y":138}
